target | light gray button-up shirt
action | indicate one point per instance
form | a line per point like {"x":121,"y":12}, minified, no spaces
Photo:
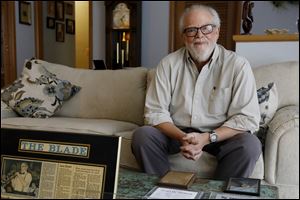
{"x":222,"y":94}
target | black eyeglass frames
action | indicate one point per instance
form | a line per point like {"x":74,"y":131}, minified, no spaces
{"x":193,"y":31}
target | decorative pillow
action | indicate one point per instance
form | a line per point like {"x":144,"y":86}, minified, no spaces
{"x":6,"y":111}
{"x":268,"y":103}
{"x":38,"y":93}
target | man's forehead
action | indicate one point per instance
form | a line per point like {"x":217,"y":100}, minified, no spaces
{"x":199,"y":13}
{"x":197,"y":16}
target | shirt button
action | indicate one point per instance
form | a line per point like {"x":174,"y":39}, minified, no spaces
{"x":195,"y":117}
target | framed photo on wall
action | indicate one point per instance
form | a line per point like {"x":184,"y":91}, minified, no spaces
{"x":25,"y":12}
{"x":51,"y":22}
{"x":70,"y":26}
{"x":69,"y":9}
{"x":60,"y":10}
{"x":51,"y":8}
{"x":60,"y":32}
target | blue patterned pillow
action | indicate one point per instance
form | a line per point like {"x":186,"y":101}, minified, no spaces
{"x":268,"y":104}
{"x":38,"y":93}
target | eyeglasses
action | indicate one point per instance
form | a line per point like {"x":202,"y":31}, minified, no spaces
{"x":193,"y":31}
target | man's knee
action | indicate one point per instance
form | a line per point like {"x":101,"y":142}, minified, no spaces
{"x":142,"y":135}
{"x":250,"y":146}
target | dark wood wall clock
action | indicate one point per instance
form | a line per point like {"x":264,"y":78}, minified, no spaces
{"x":123,"y":34}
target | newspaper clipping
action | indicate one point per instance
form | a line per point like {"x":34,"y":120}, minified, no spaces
{"x":24,"y":178}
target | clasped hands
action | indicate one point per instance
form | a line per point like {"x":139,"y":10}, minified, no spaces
{"x":192,"y":145}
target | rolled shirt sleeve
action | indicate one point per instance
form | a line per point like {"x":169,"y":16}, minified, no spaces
{"x":158,"y":97}
{"x":243,"y":112}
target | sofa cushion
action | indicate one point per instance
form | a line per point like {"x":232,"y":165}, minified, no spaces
{"x":72,"y":125}
{"x":38,"y":93}
{"x":101,"y":90}
{"x":127,"y":159}
{"x":286,"y":77}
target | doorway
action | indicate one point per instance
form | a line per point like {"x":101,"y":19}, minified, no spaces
{"x":70,"y":48}
{"x":8,"y":43}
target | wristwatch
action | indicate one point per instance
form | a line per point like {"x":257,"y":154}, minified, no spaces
{"x":213,"y":136}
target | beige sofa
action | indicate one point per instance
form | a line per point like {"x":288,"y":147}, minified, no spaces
{"x":112,"y":103}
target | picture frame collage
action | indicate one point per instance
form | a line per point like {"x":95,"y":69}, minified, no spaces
{"x":60,"y":16}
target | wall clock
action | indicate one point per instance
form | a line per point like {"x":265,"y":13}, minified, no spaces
{"x":121,"y":16}
{"x":123,"y":34}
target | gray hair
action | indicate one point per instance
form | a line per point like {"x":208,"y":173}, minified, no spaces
{"x":212,"y":11}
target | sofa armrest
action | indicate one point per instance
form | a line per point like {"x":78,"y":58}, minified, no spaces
{"x":282,"y":147}
{"x":7,"y":112}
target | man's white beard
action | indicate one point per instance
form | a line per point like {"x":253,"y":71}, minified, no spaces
{"x":203,"y":55}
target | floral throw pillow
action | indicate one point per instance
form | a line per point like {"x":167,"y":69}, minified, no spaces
{"x":38,"y":93}
{"x":268,"y":104}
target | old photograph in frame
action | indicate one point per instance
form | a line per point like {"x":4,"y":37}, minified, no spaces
{"x":58,"y":164}
{"x":248,"y":186}
{"x":70,"y":26}
{"x":60,"y":10}
{"x":51,"y":22}
{"x":60,"y":32}
{"x":69,"y":7}
{"x":25,"y":12}
{"x":51,"y":9}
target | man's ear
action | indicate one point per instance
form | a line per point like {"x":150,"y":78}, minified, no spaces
{"x":218,"y":32}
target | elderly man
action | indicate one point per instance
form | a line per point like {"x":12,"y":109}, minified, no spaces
{"x":202,"y":98}
{"x":22,"y":179}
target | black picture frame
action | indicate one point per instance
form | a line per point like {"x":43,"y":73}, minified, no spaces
{"x":51,"y":22}
{"x":25,"y":13}
{"x":69,"y":8}
{"x":60,"y":32}
{"x":70,"y":26}
{"x":247,"y":186}
{"x":51,"y":9}
{"x":97,"y":156}
{"x":60,"y":10}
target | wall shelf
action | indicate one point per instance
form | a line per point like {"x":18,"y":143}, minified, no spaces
{"x":266,"y":38}
{"x":267,"y":49}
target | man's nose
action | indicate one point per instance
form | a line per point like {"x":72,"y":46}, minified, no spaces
{"x":199,"y":34}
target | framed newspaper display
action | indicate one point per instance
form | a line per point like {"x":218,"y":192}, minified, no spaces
{"x":58,"y":165}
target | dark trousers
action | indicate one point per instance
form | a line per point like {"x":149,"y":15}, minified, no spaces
{"x":236,"y":156}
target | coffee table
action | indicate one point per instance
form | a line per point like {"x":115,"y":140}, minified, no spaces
{"x":135,"y":185}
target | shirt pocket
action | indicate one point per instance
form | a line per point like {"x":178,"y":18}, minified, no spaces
{"x":219,"y":101}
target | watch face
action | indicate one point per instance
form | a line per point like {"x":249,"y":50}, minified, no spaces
{"x":213,"y":137}
{"x":121,"y":16}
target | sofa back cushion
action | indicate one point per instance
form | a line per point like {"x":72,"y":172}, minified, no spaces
{"x":105,"y":94}
{"x":286,"y":77}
